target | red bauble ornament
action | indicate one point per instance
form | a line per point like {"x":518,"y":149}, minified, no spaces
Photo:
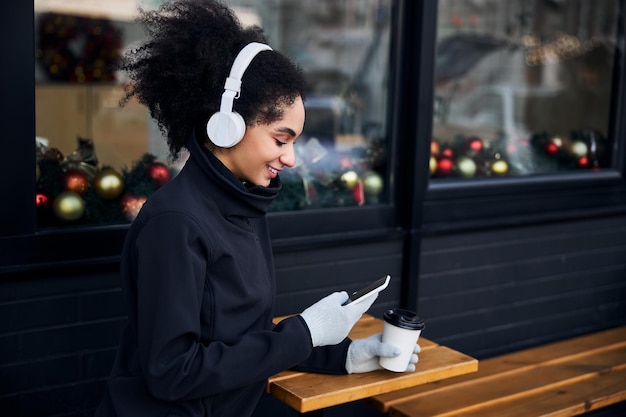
{"x":475,"y":144}
{"x":345,"y":163}
{"x":76,"y":181}
{"x":444,"y":167}
{"x":583,"y":162}
{"x":435,"y":147}
{"x":358,"y":193}
{"x":130,"y":206}
{"x":447,"y":153}
{"x":551,"y":148}
{"x":159,"y":174}
{"x":42,"y":201}
{"x":53,"y":154}
{"x":456,"y":20}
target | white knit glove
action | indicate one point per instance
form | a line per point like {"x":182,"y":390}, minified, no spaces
{"x":330,"y":322}
{"x":363,"y":354}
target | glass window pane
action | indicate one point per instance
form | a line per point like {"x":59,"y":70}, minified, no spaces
{"x":97,"y":161}
{"x":523,"y":87}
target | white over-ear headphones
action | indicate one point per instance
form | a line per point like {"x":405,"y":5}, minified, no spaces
{"x":226,"y":127}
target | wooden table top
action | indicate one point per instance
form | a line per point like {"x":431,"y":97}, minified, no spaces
{"x":309,"y":391}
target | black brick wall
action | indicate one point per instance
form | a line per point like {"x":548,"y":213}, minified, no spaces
{"x":484,"y":292}
{"x":305,"y":276}
{"x":57,"y":335}
{"x":488,"y":293}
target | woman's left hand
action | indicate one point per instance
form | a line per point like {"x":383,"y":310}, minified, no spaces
{"x":363,"y":354}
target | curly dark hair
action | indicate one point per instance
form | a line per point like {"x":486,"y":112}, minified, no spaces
{"x":180,"y":70}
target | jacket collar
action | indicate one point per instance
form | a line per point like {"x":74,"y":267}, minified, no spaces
{"x":231,"y":196}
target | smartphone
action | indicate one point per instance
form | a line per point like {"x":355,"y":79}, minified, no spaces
{"x":373,"y":288}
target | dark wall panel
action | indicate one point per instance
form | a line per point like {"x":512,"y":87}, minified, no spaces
{"x":490,"y":292}
{"x":58,"y":334}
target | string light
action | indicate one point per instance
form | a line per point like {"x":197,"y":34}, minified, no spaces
{"x":563,"y":47}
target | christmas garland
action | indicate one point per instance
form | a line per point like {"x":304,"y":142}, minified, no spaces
{"x":77,"y":49}
{"x":75,"y":190}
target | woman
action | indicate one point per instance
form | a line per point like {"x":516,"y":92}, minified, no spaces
{"x":197,"y":266}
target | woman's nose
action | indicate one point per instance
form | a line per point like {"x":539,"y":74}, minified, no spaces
{"x":288,"y":158}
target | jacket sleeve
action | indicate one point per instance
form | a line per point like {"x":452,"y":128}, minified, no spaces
{"x":326,"y":359}
{"x":176,"y":364}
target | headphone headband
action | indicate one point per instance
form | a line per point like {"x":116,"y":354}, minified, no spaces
{"x":242,"y":61}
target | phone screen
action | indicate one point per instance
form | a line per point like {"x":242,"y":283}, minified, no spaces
{"x":374,"y":287}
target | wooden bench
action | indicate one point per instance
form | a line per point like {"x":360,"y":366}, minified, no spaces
{"x":565,"y":378}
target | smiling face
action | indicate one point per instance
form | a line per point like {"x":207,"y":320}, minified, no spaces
{"x":266,"y":149}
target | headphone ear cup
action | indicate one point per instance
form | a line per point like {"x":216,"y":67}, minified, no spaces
{"x":226,"y":129}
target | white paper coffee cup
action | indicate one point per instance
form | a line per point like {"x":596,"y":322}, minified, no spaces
{"x":402,"y":329}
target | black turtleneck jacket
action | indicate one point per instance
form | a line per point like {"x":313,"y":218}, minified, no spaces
{"x":198,"y":276}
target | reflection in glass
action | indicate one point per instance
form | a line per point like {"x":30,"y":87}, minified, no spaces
{"x":343,"y":48}
{"x":97,"y":161}
{"x":523,"y":87}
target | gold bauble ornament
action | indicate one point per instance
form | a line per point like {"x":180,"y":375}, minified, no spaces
{"x":466,"y":166}
{"x":373,"y":183}
{"x":68,"y":206}
{"x":108,"y":184}
{"x":579,"y":148}
{"x":500,"y":167}
{"x":350,"y":179}
{"x":557,"y":141}
{"x":432,"y":165}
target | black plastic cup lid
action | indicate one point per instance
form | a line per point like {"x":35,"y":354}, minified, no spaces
{"x":405,"y":319}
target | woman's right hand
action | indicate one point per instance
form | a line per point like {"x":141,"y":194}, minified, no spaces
{"x":330,"y":322}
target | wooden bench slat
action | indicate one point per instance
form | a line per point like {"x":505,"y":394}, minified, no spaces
{"x":310,"y":391}
{"x":506,"y":387}
{"x":511,"y":363}
{"x":365,"y":328}
{"x":566,"y":401}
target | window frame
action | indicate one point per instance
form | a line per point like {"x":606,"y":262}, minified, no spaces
{"x":417,"y":206}
{"x":24,"y":246}
{"x":447,"y":205}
